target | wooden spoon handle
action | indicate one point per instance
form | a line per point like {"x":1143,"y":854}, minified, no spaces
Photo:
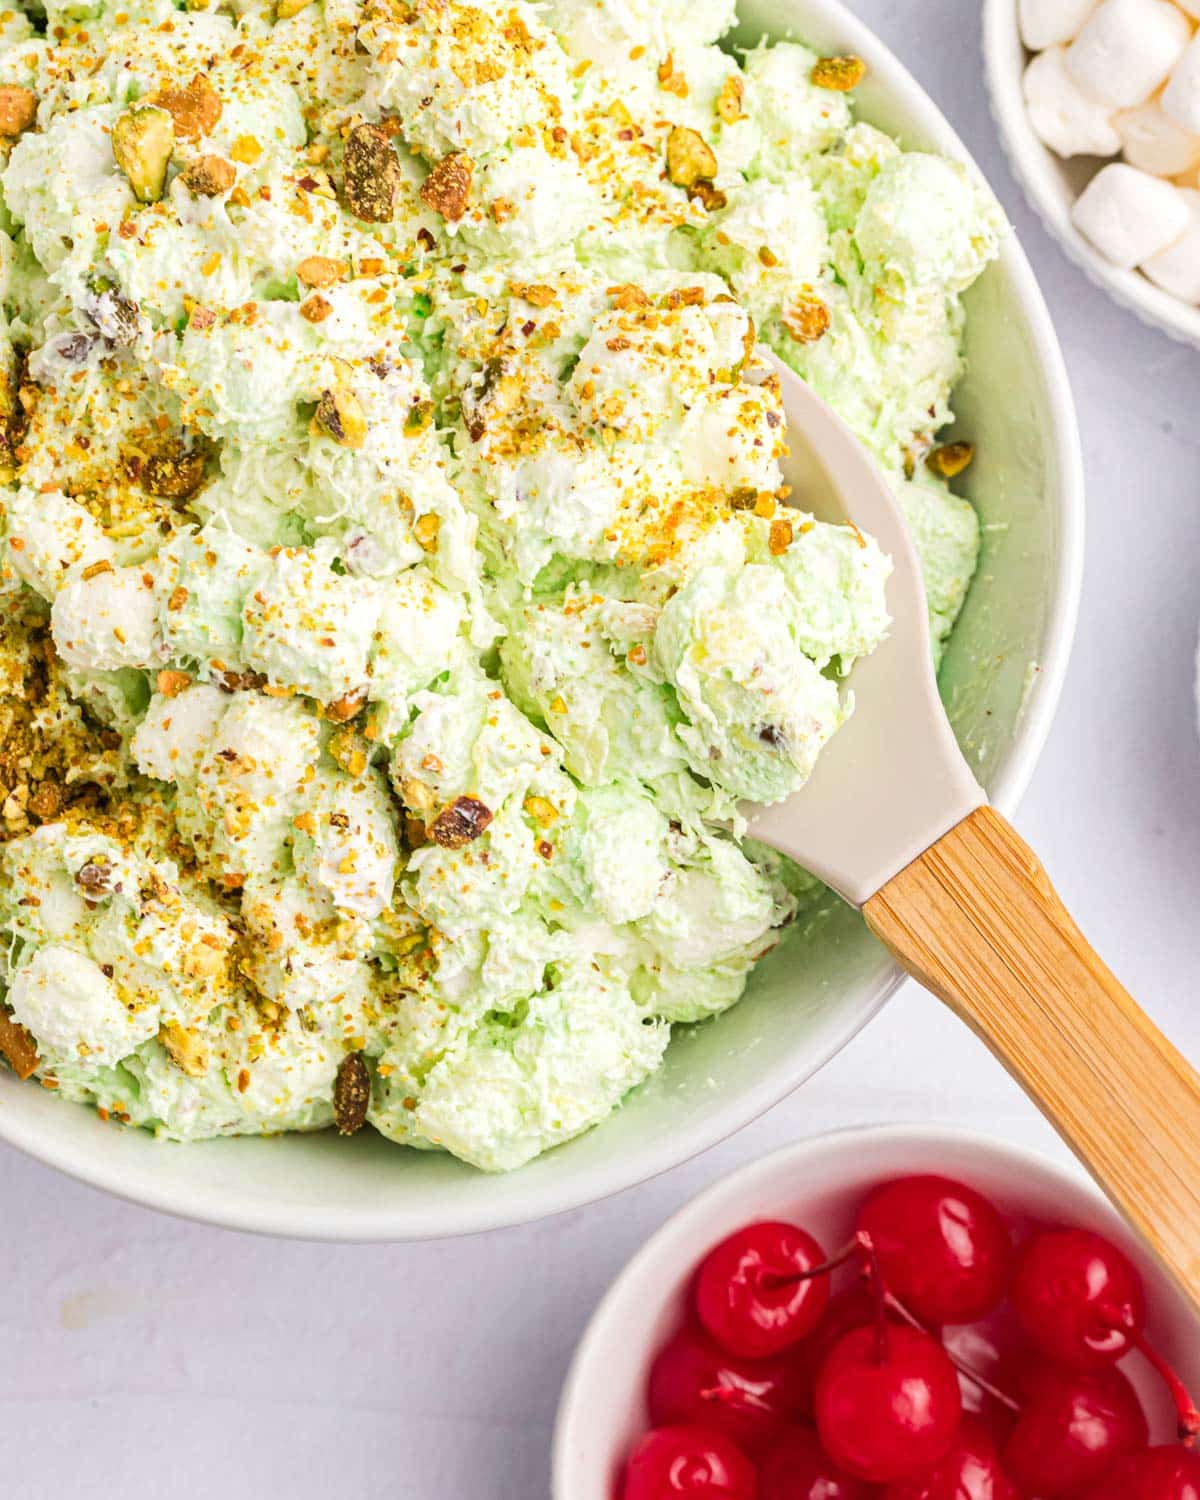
{"x":976,"y":920}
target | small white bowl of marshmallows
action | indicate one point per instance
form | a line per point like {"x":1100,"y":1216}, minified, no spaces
{"x":1098,"y":104}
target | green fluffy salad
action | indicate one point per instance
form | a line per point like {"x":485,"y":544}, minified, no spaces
{"x":401,"y":593}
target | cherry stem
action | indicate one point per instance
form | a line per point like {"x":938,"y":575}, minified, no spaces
{"x":956,"y":1360}
{"x":772,"y":1281}
{"x":733,"y":1395}
{"x":1185,"y":1407}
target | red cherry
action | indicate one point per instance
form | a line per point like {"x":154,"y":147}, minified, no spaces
{"x":888,"y":1403}
{"x":1073,"y":1425}
{"x":747,"y":1295}
{"x":971,"y":1470}
{"x":943,"y":1249}
{"x":853,"y":1307}
{"x":1078,"y":1299}
{"x":1081,"y":1301}
{"x":1169,"y":1473}
{"x":682,"y":1461}
{"x":796,"y":1467}
{"x":693,"y":1381}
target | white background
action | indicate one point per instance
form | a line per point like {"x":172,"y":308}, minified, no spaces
{"x":143,"y":1357}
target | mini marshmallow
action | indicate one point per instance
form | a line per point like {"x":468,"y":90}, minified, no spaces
{"x":1046,"y":23}
{"x":1177,"y":268}
{"x":1181,"y":97}
{"x":1153,"y":141}
{"x":1126,"y":50}
{"x":1129,"y":215}
{"x":1068,"y":120}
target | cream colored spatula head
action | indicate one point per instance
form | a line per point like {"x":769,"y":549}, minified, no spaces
{"x":894,"y":820}
{"x":892,"y":780}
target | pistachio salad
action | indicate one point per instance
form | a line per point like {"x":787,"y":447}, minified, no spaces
{"x":401,"y":592}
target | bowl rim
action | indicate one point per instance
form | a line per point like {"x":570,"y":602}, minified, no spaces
{"x":1036,"y":169}
{"x":687,"y":1220}
{"x":216,"y":1205}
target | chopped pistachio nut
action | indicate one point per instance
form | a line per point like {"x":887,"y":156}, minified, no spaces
{"x":351,"y":1094}
{"x":18,"y":109}
{"x":426,"y":529}
{"x":372,"y":174}
{"x":185,"y":1049}
{"x":320,"y":270}
{"x":460,"y":823}
{"x":171,"y":684}
{"x":840,"y":74}
{"x":209,"y":176}
{"x":729,"y":100}
{"x":690,"y":159}
{"x":143,"y":138}
{"x":807,"y":319}
{"x":339,"y":415}
{"x":195,"y":108}
{"x":315,"y":309}
{"x":347,"y":706}
{"x":175,"y":475}
{"x":447,"y":189}
{"x":950,"y":459}
{"x":286,"y":9}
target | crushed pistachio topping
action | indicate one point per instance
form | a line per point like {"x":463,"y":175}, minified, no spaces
{"x":403,"y":592}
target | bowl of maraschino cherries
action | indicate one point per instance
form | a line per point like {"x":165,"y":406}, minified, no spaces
{"x":987,"y":1331}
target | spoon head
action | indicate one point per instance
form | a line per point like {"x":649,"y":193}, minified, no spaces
{"x":892,"y":780}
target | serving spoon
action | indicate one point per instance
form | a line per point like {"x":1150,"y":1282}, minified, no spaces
{"x":894,"y":820}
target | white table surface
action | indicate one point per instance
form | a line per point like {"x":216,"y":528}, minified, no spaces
{"x":143,"y":1357}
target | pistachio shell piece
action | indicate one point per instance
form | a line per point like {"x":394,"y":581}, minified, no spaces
{"x":690,"y":159}
{"x":142,"y":140}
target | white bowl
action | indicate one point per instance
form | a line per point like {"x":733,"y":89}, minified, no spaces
{"x":1052,"y":184}
{"x":818,"y":1184}
{"x":1002,"y":679}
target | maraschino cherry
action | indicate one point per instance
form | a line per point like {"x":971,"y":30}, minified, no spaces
{"x":1167,"y":1473}
{"x":796,"y":1467}
{"x":753,"y":1292}
{"x":853,"y":1307}
{"x":685,"y":1462}
{"x":1072,"y":1427}
{"x":943,"y":1249}
{"x":887,"y":1403}
{"x":971,"y":1470}
{"x":1081,"y":1302}
{"x":692,"y":1381}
